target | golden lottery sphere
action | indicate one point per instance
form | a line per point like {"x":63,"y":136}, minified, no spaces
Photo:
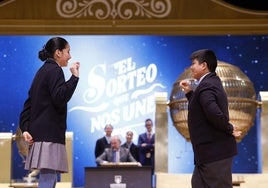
{"x":241,"y":98}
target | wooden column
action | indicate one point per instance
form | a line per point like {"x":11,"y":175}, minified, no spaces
{"x":68,"y":177}
{"x":161,"y":133}
{"x":5,"y":157}
{"x":264,"y":130}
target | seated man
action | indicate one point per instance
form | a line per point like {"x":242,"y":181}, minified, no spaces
{"x":115,"y":153}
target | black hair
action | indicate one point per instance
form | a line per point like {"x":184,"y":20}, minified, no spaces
{"x":129,"y":132}
{"x":205,"y":55}
{"x":53,"y":44}
{"x":108,"y":125}
{"x":148,"y":120}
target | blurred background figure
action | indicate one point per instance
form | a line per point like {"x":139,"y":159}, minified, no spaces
{"x":146,"y":145}
{"x":105,"y":141}
{"x":133,"y":148}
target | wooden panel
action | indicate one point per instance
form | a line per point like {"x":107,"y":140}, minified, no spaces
{"x":164,"y":180}
{"x":5,"y":152}
{"x":68,"y":177}
{"x":264,"y":131}
{"x":161,"y":132}
{"x":183,"y":17}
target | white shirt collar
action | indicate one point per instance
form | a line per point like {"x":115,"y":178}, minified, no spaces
{"x":108,"y":139}
{"x":202,"y":77}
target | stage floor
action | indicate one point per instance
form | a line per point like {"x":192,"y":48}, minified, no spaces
{"x":164,"y":180}
{"x":58,"y":185}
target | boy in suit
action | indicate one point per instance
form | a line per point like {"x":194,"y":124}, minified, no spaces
{"x":211,"y":133}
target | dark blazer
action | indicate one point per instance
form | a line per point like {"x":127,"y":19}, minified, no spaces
{"x":134,"y":150}
{"x":208,"y":121}
{"x":45,"y":110}
{"x":107,"y":155}
{"x":149,"y":148}
{"x":101,"y":144}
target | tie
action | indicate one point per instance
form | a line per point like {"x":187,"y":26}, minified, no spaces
{"x":149,"y":137}
{"x":114,"y":156}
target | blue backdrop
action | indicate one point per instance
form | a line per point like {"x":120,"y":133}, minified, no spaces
{"x":118,"y":79}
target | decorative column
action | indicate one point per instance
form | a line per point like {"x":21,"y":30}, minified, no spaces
{"x":264,"y":130}
{"x":161,"y":133}
{"x":68,"y":177}
{"x":5,"y":158}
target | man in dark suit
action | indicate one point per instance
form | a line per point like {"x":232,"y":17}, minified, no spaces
{"x":211,"y":133}
{"x":146,"y":145}
{"x":133,"y":148}
{"x":115,"y":153}
{"x":104,"y":142}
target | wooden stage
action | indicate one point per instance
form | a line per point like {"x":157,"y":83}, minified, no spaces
{"x":164,"y":180}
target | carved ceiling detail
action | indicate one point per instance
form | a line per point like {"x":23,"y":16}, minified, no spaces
{"x":130,"y":17}
{"x":114,"y":9}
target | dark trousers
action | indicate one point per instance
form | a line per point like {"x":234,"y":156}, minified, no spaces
{"x":148,"y":162}
{"x":216,"y":174}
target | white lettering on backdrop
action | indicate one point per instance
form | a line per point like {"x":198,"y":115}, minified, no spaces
{"x":121,"y":92}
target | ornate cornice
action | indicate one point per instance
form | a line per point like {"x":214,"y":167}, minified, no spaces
{"x":168,"y":17}
{"x":113,"y":9}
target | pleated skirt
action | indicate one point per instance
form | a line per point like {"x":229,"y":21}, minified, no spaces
{"x":47,"y":155}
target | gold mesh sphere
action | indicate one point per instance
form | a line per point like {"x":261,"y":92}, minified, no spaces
{"x":240,"y":93}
